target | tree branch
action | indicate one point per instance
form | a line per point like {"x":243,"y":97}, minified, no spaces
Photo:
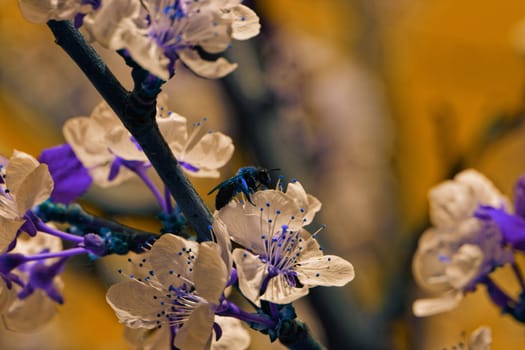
{"x":137,"y":112}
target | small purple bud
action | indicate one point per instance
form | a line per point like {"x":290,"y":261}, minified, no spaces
{"x":9,"y":262}
{"x":95,"y":244}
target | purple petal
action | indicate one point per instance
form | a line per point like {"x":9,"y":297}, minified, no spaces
{"x":71,"y":178}
{"x":512,"y":227}
{"x":10,"y":261}
{"x":41,"y":276}
{"x":95,"y":244}
{"x":519,"y":197}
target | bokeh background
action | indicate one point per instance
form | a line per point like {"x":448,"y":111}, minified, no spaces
{"x":368,"y":103}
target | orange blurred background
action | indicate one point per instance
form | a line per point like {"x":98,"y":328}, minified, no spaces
{"x":385,"y":98}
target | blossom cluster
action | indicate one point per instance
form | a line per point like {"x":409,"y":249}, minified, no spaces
{"x":475,"y":231}
{"x":183,"y":283}
{"x":177,"y":292}
{"x":156,"y":34}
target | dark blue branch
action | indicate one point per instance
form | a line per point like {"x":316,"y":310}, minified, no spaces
{"x":137,"y":111}
{"x":124,"y":238}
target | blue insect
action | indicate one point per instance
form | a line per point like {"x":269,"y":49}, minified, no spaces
{"x":247,"y":180}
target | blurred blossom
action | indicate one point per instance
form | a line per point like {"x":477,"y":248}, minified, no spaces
{"x":26,"y":310}
{"x":180,"y":287}
{"x":40,"y":11}
{"x":335,"y":111}
{"x":104,"y":145}
{"x":455,"y":201}
{"x":24,"y":183}
{"x":280,"y":260}
{"x":480,"y":339}
{"x":460,"y":250}
{"x":158,"y":33}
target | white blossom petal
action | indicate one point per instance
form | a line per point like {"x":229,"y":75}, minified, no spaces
{"x":327,"y":270}
{"x":174,"y":130}
{"x":35,"y":188}
{"x":30,"y":313}
{"x":148,"y":339}
{"x":7,"y":296}
{"x":169,"y":257}
{"x":279,"y":291}
{"x":193,"y":335}
{"x":429,"y":307}
{"x":245,"y":24}
{"x":40,"y":11}
{"x":113,"y":23}
{"x":8,"y":229}
{"x":251,"y":271}
{"x":19,"y":167}
{"x":234,"y":336}
{"x":135,"y":304}
{"x":464,"y":266}
{"x":456,"y":200}
{"x":206,"y":69}
{"x":213,"y":151}
{"x":242,"y":230}
{"x":210,"y":273}
{"x":120,"y":144}
{"x":222,"y":238}
{"x":309,"y":203}
{"x":87,"y":140}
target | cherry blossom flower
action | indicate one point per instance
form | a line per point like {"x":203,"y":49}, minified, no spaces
{"x":157,"y":33}
{"x":104,"y":145}
{"x":41,"y":11}
{"x":181,"y":290}
{"x":460,"y":250}
{"x":33,"y":288}
{"x":24,"y":183}
{"x":280,"y":260}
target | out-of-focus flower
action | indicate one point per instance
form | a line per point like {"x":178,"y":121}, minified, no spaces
{"x":158,"y":33}
{"x":280,"y":260}
{"x":40,"y":11}
{"x":480,"y":339}
{"x":454,"y":201}
{"x":29,"y":300}
{"x":460,"y":250}
{"x":181,"y":289}
{"x":233,"y":336}
{"x":103,"y":144}
{"x":24,"y":183}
